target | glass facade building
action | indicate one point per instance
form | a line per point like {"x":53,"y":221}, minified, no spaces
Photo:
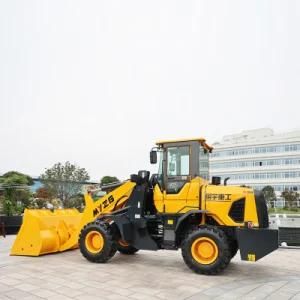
{"x":258,"y":158}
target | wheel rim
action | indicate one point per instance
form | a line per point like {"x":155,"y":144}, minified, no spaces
{"x":94,"y":241}
{"x":204,"y":250}
{"x":123,"y":243}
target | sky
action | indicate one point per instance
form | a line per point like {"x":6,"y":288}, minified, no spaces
{"x":97,"y":82}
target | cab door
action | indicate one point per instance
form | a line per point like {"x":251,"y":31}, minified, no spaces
{"x":176,"y":178}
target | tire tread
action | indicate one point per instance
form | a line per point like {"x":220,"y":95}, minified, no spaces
{"x":109,"y":249}
{"x":223,"y":260}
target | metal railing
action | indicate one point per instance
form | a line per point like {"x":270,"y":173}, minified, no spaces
{"x":282,"y":203}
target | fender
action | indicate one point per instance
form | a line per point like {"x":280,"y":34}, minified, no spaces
{"x":187,"y":214}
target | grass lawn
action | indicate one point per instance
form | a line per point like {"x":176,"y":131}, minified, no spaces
{"x":284,"y":211}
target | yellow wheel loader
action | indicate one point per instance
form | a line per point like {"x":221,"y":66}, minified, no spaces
{"x":176,"y":208}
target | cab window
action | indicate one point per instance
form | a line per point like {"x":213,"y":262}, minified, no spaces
{"x":178,"y":159}
{"x":178,"y":168}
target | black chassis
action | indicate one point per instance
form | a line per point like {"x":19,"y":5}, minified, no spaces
{"x":149,"y":231}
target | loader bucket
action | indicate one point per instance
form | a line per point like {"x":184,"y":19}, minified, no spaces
{"x":44,"y":231}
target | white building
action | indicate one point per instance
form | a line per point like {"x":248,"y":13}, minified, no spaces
{"x":258,"y":158}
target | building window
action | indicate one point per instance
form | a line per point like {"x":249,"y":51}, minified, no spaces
{"x":256,"y":150}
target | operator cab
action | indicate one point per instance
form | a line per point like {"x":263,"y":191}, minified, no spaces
{"x":179,"y":162}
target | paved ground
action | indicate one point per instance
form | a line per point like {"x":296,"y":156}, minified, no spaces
{"x":146,"y":275}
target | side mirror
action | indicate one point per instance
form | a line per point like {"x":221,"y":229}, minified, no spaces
{"x":153,"y":157}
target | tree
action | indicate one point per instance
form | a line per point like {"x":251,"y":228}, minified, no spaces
{"x":64,"y":181}
{"x":42,"y":197}
{"x":16,"y":178}
{"x":43,"y":193}
{"x":290,"y":198}
{"x":16,"y":193}
{"x":76,"y":201}
{"x":108,"y":179}
{"x":269,"y":194}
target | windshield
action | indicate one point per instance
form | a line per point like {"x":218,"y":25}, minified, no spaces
{"x":203,"y":163}
{"x":178,"y":161}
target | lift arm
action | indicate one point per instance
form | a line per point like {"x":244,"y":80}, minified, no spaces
{"x":104,"y":205}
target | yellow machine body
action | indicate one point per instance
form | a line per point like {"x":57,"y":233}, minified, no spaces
{"x":180,"y":196}
{"x":215,"y":200}
{"x":44,"y":231}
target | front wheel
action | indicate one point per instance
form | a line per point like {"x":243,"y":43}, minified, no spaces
{"x":96,"y":242}
{"x":125,"y":248}
{"x":205,"y":250}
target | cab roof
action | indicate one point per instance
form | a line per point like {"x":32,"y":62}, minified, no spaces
{"x":201,"y":141}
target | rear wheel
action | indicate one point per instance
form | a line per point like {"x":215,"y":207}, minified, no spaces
{"x":96,"y":242}
{"x":206,"y":250}
{"x":125,"y":248}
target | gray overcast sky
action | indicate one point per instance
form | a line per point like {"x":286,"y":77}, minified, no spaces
{"x":98,"y":82}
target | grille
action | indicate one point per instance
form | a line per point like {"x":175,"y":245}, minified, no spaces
{"x":237,"y":211}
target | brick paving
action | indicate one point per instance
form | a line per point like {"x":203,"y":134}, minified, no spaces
{"x":146,"y":275}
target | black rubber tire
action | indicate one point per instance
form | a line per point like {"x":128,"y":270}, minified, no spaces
{"x":233,"y":246}
{"x":128,"y":250}
{"x":224,"y":254}
{"x":109,"y":248}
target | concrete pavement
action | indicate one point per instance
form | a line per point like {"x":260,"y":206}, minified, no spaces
{"x":146,"y":275}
